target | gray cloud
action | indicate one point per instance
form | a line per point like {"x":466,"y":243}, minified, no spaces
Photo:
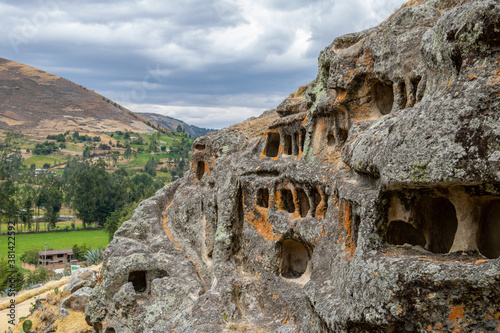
{"x":211,"y":63}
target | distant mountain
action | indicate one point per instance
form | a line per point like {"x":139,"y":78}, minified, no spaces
{"x":38,"y":103}
{"x":172,"y":124}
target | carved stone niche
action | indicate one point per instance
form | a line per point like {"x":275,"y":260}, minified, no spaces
{"x":294,"y":260}
{"x":303,"y":200}
{"x":287,"y":137}
{"x":445,"y":220}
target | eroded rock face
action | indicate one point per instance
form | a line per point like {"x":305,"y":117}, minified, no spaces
{"x":370,"y":203}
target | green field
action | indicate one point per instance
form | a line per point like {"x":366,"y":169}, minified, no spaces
{"x":55,"y":241}
{"x":39,"y":160}
{"x":61,"y":225}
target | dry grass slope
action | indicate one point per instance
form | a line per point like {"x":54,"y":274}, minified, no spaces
{"x":38,"y":103}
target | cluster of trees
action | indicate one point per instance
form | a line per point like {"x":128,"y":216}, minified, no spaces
{"x":47,"y":148}
{"x":82,"y":138}
{"x":96,"y":194}
{"x":59,"y":137}
{"x":88,"y":188}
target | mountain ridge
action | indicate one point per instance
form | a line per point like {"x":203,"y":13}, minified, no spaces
{"x":35,"y":102}
{"x":171,"y":124}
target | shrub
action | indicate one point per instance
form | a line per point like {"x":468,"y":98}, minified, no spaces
{"x":79,"y":251}
{"x":41,"y":274}
{"x":30,"y":257}
{"x":94,"y":256}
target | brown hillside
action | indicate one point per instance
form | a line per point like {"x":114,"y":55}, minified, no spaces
{"x":38,"y":103}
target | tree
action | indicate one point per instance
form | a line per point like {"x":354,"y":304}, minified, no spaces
{"x":30,"y":257}
{"x":79,"y":251}
{"x":51,"y":198}
{"x":94,"y":193}
{"x":126,"y":136}
{"x":116,"y":219}
{"x":13,"y":272}
{"x":87,"y":151}
{"x":150,"y":167}
{"x":127,"y":152}
{"x":27,"y":204}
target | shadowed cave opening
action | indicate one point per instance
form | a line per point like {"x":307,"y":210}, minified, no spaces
{"x":316,"y":200}
{"x":330,"y":139}
{"x":384,"y":97}
{"x":288,"y":144}
{"x":287,"y":204}
{"x":294,"y":259}
{"x":400,"y":233}
{"x":303,"y":201}
{"x":273,"y":144}
{"x":402,"y":94}
{"x":302,"y":139}
{"x":199,"y":146}
{"x":263,"y":197}
{"x":200,"y":170}
{"x":489,"y":234}
{"x":296,"y":144}
{"x":415,"y":82}
{"x":110,"y":330}
{"x":438,"y":220}
{"x":138,"y":279}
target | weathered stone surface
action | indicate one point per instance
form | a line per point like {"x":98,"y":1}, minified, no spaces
{"x":82,"y":277}
{"x":370,"y":205}
{"x":77,"y":300}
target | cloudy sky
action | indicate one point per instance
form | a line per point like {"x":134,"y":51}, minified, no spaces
{"x":209,"y":63}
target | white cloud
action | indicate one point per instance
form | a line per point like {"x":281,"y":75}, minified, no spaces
{"x":235,"y":58}
{"x":208,"y":117}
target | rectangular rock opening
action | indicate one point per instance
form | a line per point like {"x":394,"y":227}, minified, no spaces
{"x":303,"y":201}
{"x":200,"y":169}
{"x":316,"y":201}
{"x":402,"y":95}
{"x":288,"y":145}
{"x":489,"y":233}
{"x":296,"y":142}
{"x":273,"y":144}
{"x":286,"y":203}
{"x":302,"y":139}
{"x":138,"y":280}
{"x":263,"y":197}
{"x":438,"y":220}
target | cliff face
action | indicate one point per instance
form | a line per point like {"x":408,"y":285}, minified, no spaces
{"x":370,"y":201}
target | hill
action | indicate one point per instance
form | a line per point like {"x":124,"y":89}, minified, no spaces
{"x":171,"y":124}
{"x":38,"y":103}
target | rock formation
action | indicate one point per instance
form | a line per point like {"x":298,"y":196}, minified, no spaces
{"x":371,"y":203}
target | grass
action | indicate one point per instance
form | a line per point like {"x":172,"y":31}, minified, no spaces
{"x":39,"y":160}
{"x":74,"y":147}
{"x":43,"y":226}
{"x":55,"y":241}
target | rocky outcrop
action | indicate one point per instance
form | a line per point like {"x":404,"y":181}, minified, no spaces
{"x":371,"y":203}
{"x":77,"y":300}
{"x":82,"y":277}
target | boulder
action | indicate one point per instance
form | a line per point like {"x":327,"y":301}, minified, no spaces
{"x":78,"y":300}
{"x":82,"y":277}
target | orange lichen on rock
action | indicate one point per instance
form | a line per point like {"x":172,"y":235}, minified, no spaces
{"x":456,"y":312}
{"x":259,"y":219}
{"x":346,"y":226}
